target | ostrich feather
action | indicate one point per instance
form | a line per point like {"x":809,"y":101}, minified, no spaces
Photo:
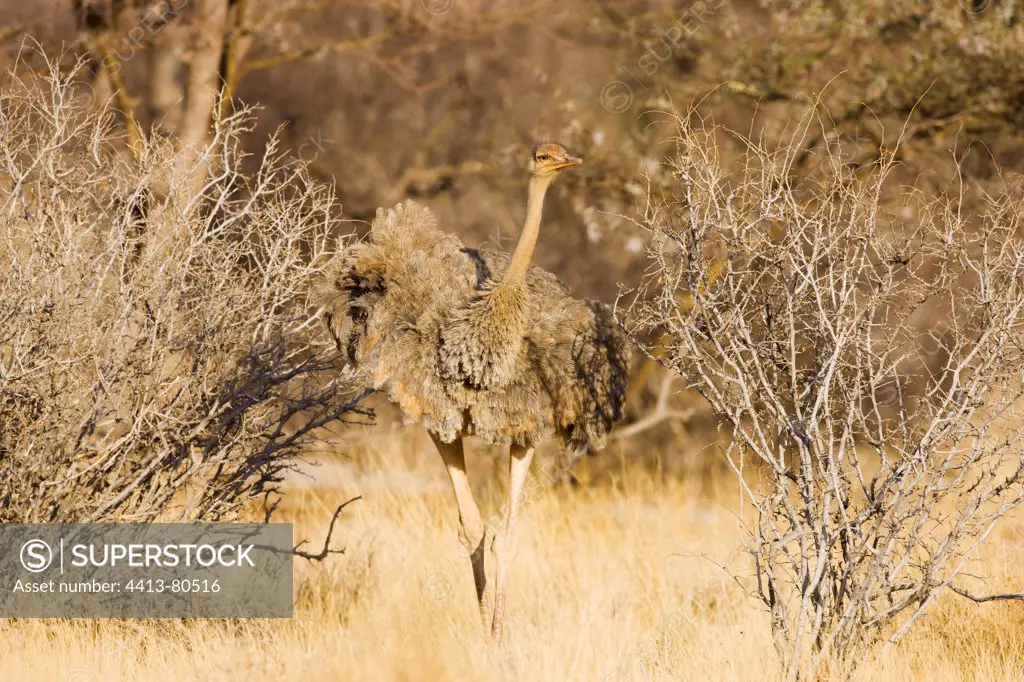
{"x":428,"y":321}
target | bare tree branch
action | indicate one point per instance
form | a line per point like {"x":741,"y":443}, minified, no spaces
{"x":662,"y":412}
{"x":322,"y":554}
{"x":1010,"y":596}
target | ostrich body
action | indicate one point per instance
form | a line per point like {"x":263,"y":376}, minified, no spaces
{"x":474,"y":342}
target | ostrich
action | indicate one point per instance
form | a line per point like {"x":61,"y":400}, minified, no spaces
{"x":472,"y":342}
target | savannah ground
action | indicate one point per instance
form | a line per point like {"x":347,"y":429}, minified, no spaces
{"x":616,"y":581}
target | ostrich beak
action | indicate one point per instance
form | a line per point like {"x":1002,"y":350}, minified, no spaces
{"x":570,"y":162}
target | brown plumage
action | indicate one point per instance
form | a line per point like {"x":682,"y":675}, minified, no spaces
{"x":471,"y":341}
{"x":435,"y":325}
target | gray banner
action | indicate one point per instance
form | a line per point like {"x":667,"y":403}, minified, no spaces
{"x":173,"y":570}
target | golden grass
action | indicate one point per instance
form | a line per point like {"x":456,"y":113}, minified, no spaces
{"x":609,"y":585}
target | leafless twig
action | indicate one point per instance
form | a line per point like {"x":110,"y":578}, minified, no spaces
{"x":1009,"y":596}
{"x":322,"y":554}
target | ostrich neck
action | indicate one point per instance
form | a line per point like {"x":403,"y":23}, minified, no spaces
{"x":531,"y":229}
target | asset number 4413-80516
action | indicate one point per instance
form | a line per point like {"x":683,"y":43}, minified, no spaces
{"x":177,"y":585}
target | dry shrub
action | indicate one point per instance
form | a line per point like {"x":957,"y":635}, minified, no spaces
{"x":863,"y":341}
{"x":156,"y":346}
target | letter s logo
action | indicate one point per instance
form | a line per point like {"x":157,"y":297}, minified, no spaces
{"x":36,"y":556}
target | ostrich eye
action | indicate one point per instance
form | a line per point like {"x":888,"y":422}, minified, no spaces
{"x":543,"y":157}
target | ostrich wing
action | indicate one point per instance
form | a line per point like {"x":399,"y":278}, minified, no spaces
{"x":390,"y":298}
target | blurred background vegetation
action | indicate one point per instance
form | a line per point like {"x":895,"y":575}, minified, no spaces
{"x":440,"y":100}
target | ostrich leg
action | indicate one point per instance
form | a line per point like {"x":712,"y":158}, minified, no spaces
{"x":471,"y":533}
{"x":504,"y":546}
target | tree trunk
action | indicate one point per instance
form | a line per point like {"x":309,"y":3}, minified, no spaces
{"x":165,"y":92}
{"x":202,"y":86}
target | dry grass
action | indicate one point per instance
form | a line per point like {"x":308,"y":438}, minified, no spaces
{"x":609,"y":585}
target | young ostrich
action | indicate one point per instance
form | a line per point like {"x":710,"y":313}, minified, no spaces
{"x":472,"y":342}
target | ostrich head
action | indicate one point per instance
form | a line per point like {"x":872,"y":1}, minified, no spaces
{"x":550,"y":158}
